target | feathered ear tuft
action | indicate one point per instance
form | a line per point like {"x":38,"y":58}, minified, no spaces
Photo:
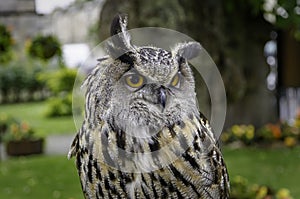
{"x":119,"y":46}
{"x":187,"y":50}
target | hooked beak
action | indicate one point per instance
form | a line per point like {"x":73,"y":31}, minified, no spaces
{"x":162,"y":96}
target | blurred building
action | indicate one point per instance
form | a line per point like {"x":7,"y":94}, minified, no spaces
{"x":71,"y":22}
{"x":21,"y":19}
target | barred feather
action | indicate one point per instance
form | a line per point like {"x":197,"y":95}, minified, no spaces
{"x":150,"y":141}
{"x":199,"y":172}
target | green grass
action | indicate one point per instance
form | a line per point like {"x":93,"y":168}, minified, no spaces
{"x":56,"y":177}
{"x":39,"y":177}
{"x":278,"y":168}
{"x":34,"y":114}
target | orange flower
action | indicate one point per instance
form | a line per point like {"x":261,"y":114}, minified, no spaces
{"x":24,"y":127}
{"x":275,"y":129}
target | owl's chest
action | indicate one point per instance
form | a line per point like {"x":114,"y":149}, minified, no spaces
{"x":170,"y":164}
{"x":144,"y":150}
{"x":181,"y":179}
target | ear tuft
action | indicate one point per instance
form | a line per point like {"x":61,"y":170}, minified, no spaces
{"x":119,"y":28}
{"x":187,"y":50}
{"x":119,"y":46}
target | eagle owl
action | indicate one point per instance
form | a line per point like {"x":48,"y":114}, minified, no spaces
{"x":143,"y":135}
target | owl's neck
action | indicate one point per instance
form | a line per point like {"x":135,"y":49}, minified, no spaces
{"x":122,"y":149}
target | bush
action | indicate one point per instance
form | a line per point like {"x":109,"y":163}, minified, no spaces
{"x":279,"y":133}
{"x":60,"y":83}
{"x":6,"y":43}
{"x":5,"y":122}
{"x":244,"y":133}
{"x":11,"y":129}
{"x":59,"y":106}
{"x":45,"y":47}
{"x":18,"y":81}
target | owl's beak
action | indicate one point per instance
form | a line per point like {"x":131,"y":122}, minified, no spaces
{"x":162,"y":96}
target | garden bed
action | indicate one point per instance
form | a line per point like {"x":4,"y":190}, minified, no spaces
{"x":24,"y":147}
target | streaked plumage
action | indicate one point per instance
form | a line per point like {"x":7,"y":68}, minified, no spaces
{"x":143,"y":136}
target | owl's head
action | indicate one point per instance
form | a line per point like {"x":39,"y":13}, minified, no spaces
{"x":142,"y":87}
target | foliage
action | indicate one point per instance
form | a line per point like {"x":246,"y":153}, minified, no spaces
{"x":289,"y":135}
{"x":45,"y":47}
{"x":60,"y":83}
{"x":15,"y":130}
{"x":5,"y":122}
{"x":245,"y":133}
{"x":6,"y":43}
{"x":242,"y":189}
{"x":59,"y":106}
{"x":18,"y":81}
{"x":287,"y":15}
{"x":283,"y":14}
{"x":34,"y":114}
{"x":297,"y":120}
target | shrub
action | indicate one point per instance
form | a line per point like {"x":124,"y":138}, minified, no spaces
{"x":12,"y":129}
{"x":45,"y":47}
{"x":6,"y":43}
{"x":18,"y":81}
{"x":59,"y":106}
{"x":283,"y":133}
{"x":60,"y":83}
{"x":5,"y":122}
{"x":244,"y":133}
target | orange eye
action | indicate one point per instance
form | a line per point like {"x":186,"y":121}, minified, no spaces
{"x":134,"y":80}
{"x":175,"y":80}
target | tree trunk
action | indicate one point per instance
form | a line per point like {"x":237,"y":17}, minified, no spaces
{"x":234,"y":38}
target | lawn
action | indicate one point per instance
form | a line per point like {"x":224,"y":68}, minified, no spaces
{"x":39,"y":177}
{"x":55,"y":176}
{"x":34,"y":114}
{"x":278,"y":168}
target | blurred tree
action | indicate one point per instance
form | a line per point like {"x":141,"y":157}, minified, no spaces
{"x":45,"y":48}
{"x":6,"y":42}
{"x":284,"y":14}
{"x":234,"y":33}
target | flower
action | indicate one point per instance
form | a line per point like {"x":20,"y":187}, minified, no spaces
{"x":265,"y":133}
{"x":250,"y":132}
{"x":262,"y":192}
{"x":290,"y":141}
{"x":237,"y":130}
{"x":16,"y":131}
{"x":275,"y":130}
{"x":241,"y":188}
{"x":283,"y":194}
{"x":24,"y":127}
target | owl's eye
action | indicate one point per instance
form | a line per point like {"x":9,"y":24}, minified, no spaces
{"x":134,"y":80}
{"x":175,"y":81}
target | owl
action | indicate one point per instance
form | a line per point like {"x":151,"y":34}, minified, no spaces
{"x":143,"y":135}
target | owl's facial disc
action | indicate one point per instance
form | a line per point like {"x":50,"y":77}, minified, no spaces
{"x":150,"y":91}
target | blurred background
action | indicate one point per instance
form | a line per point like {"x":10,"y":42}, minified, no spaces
{"x":254,"y":43}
